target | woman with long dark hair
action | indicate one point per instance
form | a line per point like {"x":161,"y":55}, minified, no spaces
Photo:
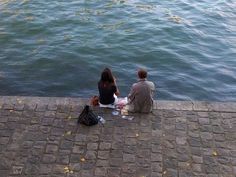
{"x":107,"y":88}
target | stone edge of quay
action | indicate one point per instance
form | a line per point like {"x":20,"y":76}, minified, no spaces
{"x":206,"y":106}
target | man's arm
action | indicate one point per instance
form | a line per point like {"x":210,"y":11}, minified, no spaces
{"x":131,"y":95}
{"x":151,"y":85}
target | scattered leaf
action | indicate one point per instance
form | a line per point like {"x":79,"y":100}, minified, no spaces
{"x":176,"y":19}
{"x":214,"y":153}
{"x":67,"y":171}
{"x":66,"y":168}
{"x":29,"y":18}
{"x":137,"y":135}
{"x":40,"y":41}
{"x":164,"y":172}
{"x":71,"y":171}
{"x":68,"y":133}
{"x":128,"y":30}
{"x":82,"y":159}
{"x":69,"y":117}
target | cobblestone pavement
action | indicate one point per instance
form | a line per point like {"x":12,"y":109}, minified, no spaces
{"x":40,"y":137}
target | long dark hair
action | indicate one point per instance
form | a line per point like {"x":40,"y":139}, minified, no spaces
{"x":106,"y":76}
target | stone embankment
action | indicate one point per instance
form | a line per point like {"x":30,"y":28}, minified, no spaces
{"x":40,"y":137}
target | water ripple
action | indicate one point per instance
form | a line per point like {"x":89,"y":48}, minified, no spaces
{"x":52,"y":48}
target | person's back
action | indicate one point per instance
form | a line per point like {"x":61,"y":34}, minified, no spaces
{"x":141,"y":94}
{"x":107,"y":88}
{"x":106,"y":92}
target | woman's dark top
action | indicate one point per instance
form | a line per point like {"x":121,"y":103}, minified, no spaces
{"x":106,"y":92}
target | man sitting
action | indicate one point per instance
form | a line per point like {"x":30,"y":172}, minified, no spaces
{"x":141,"y":94}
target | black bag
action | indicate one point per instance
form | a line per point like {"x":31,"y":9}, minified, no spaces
{"x":87,"y":117}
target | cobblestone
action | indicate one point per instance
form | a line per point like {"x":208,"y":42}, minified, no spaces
{"x":41,"y":137}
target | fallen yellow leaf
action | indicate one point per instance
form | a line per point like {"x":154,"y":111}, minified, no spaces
{"x":66,"y":171}
{"x":71,"y":172}
{"x":66,"y":168}
{"x":29,"y":18}
{"x":82,"y":159}
{"x":175,"y":18}
{"x":214,"y":153}
{"x":40,"y":41}
{"x":68,"y":133}
{"x":164,"y":172}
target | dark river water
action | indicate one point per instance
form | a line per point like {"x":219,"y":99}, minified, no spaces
{"x":60,"y":47}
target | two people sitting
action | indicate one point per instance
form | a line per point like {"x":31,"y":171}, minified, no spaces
{"x":140,"y":98}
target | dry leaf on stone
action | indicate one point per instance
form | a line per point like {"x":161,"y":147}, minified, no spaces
{"x":68,"y":133}
{"x":69,"y":117}
{"x":214,"y":153}
{"x":66,"y":170}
